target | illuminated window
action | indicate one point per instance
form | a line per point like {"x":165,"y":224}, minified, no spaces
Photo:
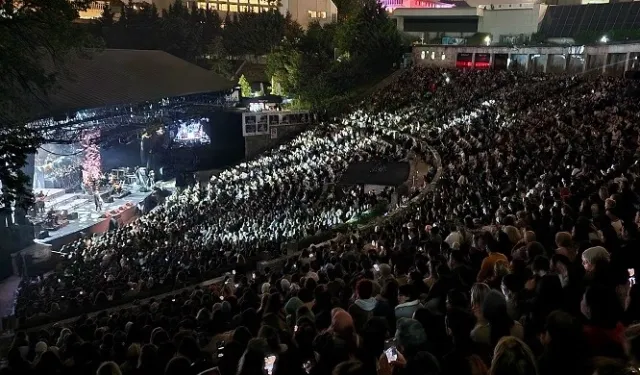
{"x":223,"y":7}
{"x":322,"y":14}
{"x":202,"y":5}
{"x":433,"y":55}
{"x":442,"y":57}
{"x":423,"y":55}
{"x":233,"y":8}
{"x":213,"y":6}
{"x":244,"y":8}
{"x":312,"y":14}
{"x":254,"y":1}
{"x":264,"y":2}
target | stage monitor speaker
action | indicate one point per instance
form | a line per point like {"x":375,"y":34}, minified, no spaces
{"x":109,"y":199}
{"x":72,"y":216}
{"x":43,"y":234}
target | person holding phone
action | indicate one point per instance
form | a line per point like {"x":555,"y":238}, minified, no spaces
{"x":255,"y":362}
{"x":409,"y":349}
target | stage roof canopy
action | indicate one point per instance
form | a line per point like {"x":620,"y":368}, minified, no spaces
{"x":113,"y":76}
{"x":376,"y":173}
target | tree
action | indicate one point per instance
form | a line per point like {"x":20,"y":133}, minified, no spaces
{"x":276,"y":88}
{"x":215,"y":57}
{"x":283,"y":66}
{"x":33,"y":35}
{"x":347,"y":8}
{"x":257,"y":33}
{"x":106,"y":18}
{"x":245,"y":87}
{"x":181,"y":36}
{"x":370,"y":38}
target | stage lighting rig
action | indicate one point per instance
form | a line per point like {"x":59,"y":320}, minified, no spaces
{"x":122,"y":120}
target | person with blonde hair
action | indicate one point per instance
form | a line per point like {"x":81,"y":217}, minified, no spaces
{"x":513,"y":233}
{"x":592,"y":256}
{"x":513,"y":357}
{"x":496,"y":321}
{"x":108,"y":368}
{"x":478,"y":293}
{"x":131,"y":362}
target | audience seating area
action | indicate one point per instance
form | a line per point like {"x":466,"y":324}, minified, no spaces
{"x":516,"y":254}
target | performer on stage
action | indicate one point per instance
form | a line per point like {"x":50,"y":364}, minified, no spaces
{"x":97,"y":199}
{"x":52,"y":219}
{"x":152,"y":178}
{"x":39,"y":202}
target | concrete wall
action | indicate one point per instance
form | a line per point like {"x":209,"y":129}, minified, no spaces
{"x":509,"y":20}
{"x":306,"y":11}
{"x":501,"y":20}
{"x":256,"y":144}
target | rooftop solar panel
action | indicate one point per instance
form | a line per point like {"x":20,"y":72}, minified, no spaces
{"x":571,"y":20}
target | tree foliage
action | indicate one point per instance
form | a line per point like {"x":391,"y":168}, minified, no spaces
{"x":34,"y":36}
{"x":197,"y":34}
{"x":245,"y":87}
{"x":254,"y":33}
{"x":371,"y":37}
{"x":367,"y":43}
{"x":347,"y":8}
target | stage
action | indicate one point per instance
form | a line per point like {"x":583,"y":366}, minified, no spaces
{"x":88,"y":219}
{"x":91,"y":221}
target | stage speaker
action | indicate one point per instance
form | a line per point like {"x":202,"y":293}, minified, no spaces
{"x":144,"y":189}
{"x":72,"y":216}
{"x":109,"y":199}
{"x":42,"y":235}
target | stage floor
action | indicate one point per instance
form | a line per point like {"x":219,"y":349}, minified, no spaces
{"x":88,"y":217}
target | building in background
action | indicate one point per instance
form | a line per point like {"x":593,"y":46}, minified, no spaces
{"x":302,"y":11}
{"x":307,"y":11}
{"x":610,"y":59}
{"x":94,"y":10}
{"x":453,"y":22}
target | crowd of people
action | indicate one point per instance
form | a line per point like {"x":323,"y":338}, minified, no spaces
{"x":519,"y":260}
{"x":244,"y":212}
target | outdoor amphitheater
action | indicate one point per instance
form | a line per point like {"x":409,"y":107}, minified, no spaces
{"x":457,"y":221}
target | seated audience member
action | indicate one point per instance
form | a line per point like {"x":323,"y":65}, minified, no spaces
{"x":512,"y":356}
{"x":409,"y":301}
{"x":464,"y":358}
{"x":603,"y":331}
{"x":565,"y":350}
{"x":363,"y":307}
{"x":498,"y":322}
